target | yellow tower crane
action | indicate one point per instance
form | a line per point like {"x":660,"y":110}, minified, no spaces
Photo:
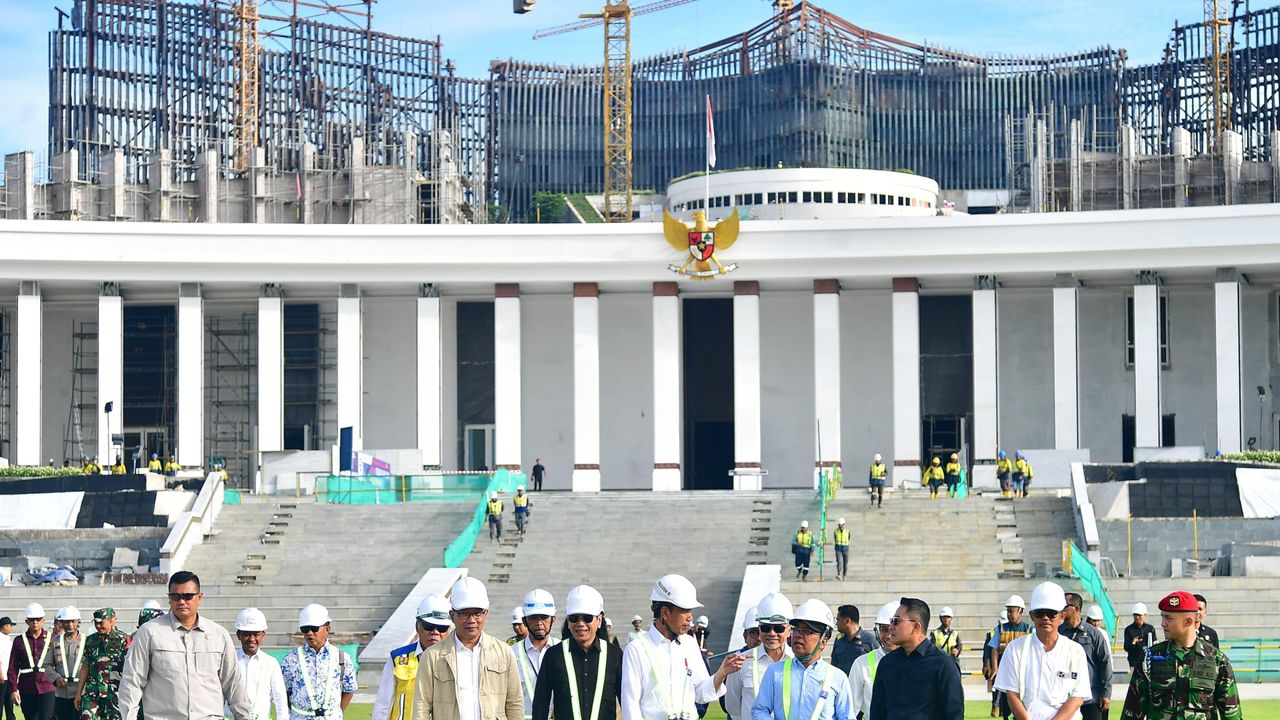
{"x":248,"y":50}
{"x":1218,"y":63}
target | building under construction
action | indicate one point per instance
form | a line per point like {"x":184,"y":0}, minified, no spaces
{"x":240,"y":111}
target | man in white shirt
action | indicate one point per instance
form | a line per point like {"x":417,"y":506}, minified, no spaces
{"x":263,"y":681}
{"x":539,"y":618}
{"x":862,"y":674}
{"x":400,"y":674}
{"x":771,"y":620}
{"x":1043,"y":675}
{"x":663,"y":673}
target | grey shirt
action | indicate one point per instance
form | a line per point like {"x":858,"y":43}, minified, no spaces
{"x":1097,"y":650}
{"x":182,"y":674}
{"x":54,"y":662}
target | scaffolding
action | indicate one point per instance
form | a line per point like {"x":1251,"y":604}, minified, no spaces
{"x":231,"y":372}
{"x":80,"y":434}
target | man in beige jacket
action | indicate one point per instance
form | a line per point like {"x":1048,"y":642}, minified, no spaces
{"x":470,"y":675}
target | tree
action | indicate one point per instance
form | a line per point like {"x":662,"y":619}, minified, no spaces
{"x":548,"y":207}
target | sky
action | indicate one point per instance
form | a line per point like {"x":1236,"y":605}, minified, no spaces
{"x":477,"y":31}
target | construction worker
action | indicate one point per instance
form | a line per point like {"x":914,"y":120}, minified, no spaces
{"x":1097,"y":651}
{"x":988,"y":661}
{"x":1096,"y":618}
{"x":951,"y":474}
{"x":1185,"y":678}
{"x":400,"y":674}
{"x":493,"y":511}
{"x":1044,"y":675}
{"x":1138,"y":636}
{"x":917,"y":680}
{"x":62,"y":664}
{"x":608,"y":631}
{"x":155,"y":465}
{"x":637,"y":629}
{"x":521,"y":503}
{"x":821,"y":692}
{"x":802,"y":547}
{"x":539,"y":618}
{"x":701,"y":635}
{"x":575,"y":677}
{"x":31,"y":688}
{"x":220,"y":469}
{"x":517,"y":626}
{"x":321,"y":678}
{"x":945,"y":638}
{"x":934,"y":477}
{"x":662,"y":677}
{"x":259,"y":671}
{"x":862,"y":676}
{"x":771,"y":646}
{"x":1006,"y":632}
{"x":1022,"y":474}
{"x":91,"y":467}
{"x":875,"y":480}
{"x":118,"y":468}
{"x":841,"y":539}
{"x":172,"y":467}
{"x":1004,"y":472}
{"x":100,"y":672}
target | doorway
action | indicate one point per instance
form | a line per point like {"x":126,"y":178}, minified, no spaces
{"x":946,"y":375}
{"x":477,"y":447}
{"x":141,"y":442}
{"x":707,"y":336}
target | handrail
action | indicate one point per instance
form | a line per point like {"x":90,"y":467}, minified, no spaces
{"x":193,"y":525}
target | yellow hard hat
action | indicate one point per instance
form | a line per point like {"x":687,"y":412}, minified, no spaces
{"x":936,"y":461}
{"x":955,"y":456}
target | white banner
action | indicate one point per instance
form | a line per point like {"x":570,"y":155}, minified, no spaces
{"x":1259,"y":492}
{"x":40,"y":511}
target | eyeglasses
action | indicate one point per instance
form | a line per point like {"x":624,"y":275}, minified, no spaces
{"x":431,"y":627}
{"x":309,"y":629}
{"x":583,"y":618}
{"x":895,"y":621}
{"x":771,"y":628}
{"x":803,"y":629}
{"x":1044,"y":614}
{"x":471,"y":613}
{"x":175,"y":597}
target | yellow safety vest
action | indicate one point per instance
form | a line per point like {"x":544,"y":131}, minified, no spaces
{"x":405,"y":669}
{"x":1024,"y":467}
{"x":933,"y":473}
{"x":842,"y":536}
{"x":118,"y":470}
{"x":804,"y":539}
{"x":953,"y":468}
{"x":92,"y":469}
{"x":877,"y":471}
{"x":1003,"y":466}
{"x":155,"y":466}
{"x":944,"y":641}
{"x":520,"y":501}
{"x":495,"y":507}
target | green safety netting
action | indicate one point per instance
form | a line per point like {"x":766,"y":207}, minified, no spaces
{"x":1088,"y":575}
{"x":458,"y":550}
{"x":391,"y":489}
{"x":231,"y":497}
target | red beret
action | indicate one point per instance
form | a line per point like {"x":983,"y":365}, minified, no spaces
{"x":1179,"y":601}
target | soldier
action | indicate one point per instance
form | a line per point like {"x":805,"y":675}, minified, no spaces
{"x":100,"y":672}
{"x":1186,"y":678}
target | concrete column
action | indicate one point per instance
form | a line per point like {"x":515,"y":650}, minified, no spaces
{"x":190,"y":376}
{"x":1226,"y":306}
{"x":1146,"y":360}
{"x":256,"y":187}
{"x":746,"y":385}
{"x":160,"y":183}
{"x":430,"y":377}
{"x":1232,"y":164}
{"x":20,"y":186}
{"x":110,"y":368}
{"x":986,"y":382}
{"x":28,"y":380}
{"x":1076,"y":165}
{"x":1275,"y":170}
{"x":826,"y":374}
{"x":1180,"y":139}
{"x":506,"y":376}
{"x":1066,"y":363}
{"x":306,"y":183}
{"x":668,"y":423}
{"x":358,"y":187}
{"x":207,"y":186}
{"x":586,"y":387}
{"x":1128,"y":166}
{"x":113,"y":183}
{"x":68,"y":190}
{"x":906,"y":382}
{"x":271,"y":368}
{"x":351,"y":363}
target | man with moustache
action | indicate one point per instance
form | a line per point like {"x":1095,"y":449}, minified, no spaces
{"x":581,"y":678}
{"x":62,"y":666}
{"x":1045,"y":676}
{"x":263,"y":681}
{"x":400,"y":674}
{"x":917,"y":681}
{"x":772,"y":618}
{"x":805,"y":686}
{"x":102,"y":667}
{"x":30,"y":688}
{"x":539,"y":619}
{"x":319,"y":678}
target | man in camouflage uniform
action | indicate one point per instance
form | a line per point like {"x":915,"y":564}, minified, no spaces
{"x":1186,"y":678}
{"x":100,"y":672}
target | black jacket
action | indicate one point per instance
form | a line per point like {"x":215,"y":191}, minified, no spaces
{"x":552,"y":691}
{"x":1137,"y":651}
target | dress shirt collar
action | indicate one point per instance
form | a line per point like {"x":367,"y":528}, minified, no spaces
{"x":177,"y":626}
{"x":307,"y":649}
{"x":659,"y":639}
{"x":576,"y":649}
{"x":457,"y":645}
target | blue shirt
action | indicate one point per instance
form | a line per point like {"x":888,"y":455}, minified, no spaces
{"x":328,"y":661}
{"x":923,"y":685}
{"x":806,"y":692}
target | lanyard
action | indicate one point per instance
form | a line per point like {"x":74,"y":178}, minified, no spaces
{"x":573,"y":679}
{"x":31,"y":658}
{"x":660,"y":683}
{"x":62,"y":649}
{"x":253,"y":679}
{"x":786,"y":691}
{"x":306,"y":678}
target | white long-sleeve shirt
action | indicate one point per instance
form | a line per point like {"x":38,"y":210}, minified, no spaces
{"x":264,"y":684}
{"x":528,"y":672}
{"x":653,"y":659}
{"x":860,"y":681}
{"x":742,"y":687}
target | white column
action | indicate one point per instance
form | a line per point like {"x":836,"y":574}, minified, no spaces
{"x":986,"y":381}
{"x":506,"y":376}
{"x":270,"y":369}
{"x":1066,"y":364}
{"x":1146,"y":362}
{"x":430,"y":377}
{"x":826,"y":374}
{"x":351,"y":364}
{"x":906,"y":382}
{"x":28,"y":376}
{"x":190,"y":376}
{"x":110,"y":369}
{"x":1226,"y":305}
{"x":746,"y":385}
{"x":668,"y":425}
{"x":586,"y":387}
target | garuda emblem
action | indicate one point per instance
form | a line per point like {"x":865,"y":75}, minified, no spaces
{"x":701,"y":242}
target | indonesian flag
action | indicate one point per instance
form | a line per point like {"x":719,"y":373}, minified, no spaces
{"x":711,"y":136}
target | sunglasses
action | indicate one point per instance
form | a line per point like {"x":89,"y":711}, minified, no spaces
{"x":1044,"y":614}
{"x":583,"y":618}
{"x":771,"y":628}
{"x":430,"y":627}
{"x":308,"y":629}
{"x":895,"y":621}
{"x":175,"y":597}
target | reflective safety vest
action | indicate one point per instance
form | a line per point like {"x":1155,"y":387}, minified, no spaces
{"x":1024,"y":468}
{"x":953,"y":468}
{"x":520,"y":501}
{"x":495,"y":507}
{"x":92,"y":469}
{"x":804,"y":539}
{"x":842,"y":537}
{"x":404,"y":667}
{"x":1003,"y":466}
{"x":933,"y":473}
{"x":877,"y":471}
{"x":155,"y":466}
{"x":944,"y":640}
{"x":118,"y":469}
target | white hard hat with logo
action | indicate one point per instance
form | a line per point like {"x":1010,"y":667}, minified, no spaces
{"x":884,"y":616}
{"x":517,"y":615}
{"x":1138,"y":609}
{"x":677,"y":590}
{"x":945,"y":612}
{"x":583,"y":600}
{"x":1015,"y":601}
{"x":33,"y":611}
{"x":152,"y":605}
{"x":435,"y":610}
{"x":1095,"y":613}
{"x":70,"y":612}
{"x":469,"y":592}
{"x":814,"y":611}
{"x":749,"y":619}
{"x":251,"y":619}
{"x":539,"y":602}
{"x":313,"y":614}
{"x":1048,"y":596}
{"x":774,"y":608}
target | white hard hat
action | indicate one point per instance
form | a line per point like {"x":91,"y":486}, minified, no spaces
{"x":946,"y":612}
{"x":703,"y":621}
{"x":313,"y":614}
{"x":1015,"y":601}
{"x":749,"y":621}
{"x":804,"y":523}
{"x":1048,"y":596}
{"x":520,"y":488}
{"x":70,"y":612}
{"x":582,"y":600}
{"x":878,"y":458}
{"x":1138,"y":609}
{"x":608,"y":622}
{"x":677,"y":590}
{"x":251,"y":619}
{"x":493,"y":495}
{"x":1003,"y":616}
{"x":33,"y":611}
{"x":884,"y":616}
{"x":840,"y":521}
{"x":636,"y":618}
{"x":774,"y":608}
{"x":469,"y":592}
{"x":435,"y":610}
{"x":539,"y":602}
{"x":814,"y":610}
{"x":517,"y":615}
{"x":152,"y":605}
{"x":1095,"y":612}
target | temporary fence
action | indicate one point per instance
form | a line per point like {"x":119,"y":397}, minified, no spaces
{"x":1078,"y":563}
{"x":393,"y":489}
{"x":458,"y":550}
